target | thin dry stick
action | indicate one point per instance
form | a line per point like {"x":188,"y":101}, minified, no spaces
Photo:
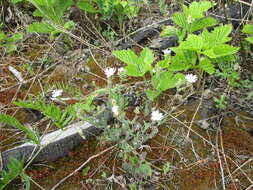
{"x":245,"y":3}
{"x":225,"y":159}
{"x":80,"y":167}
{"x":250,"y":187}
{"x":242,"y":165}
{"x":220,"y":162}
{"x":195,"y":113}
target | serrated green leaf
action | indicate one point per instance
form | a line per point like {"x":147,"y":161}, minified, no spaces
{"x":193,"y":42}
{"x":186,"y":57}
{"x":136,"y":66}
{"x":37,"y":13}
{"x":168,"y":31}
{"x":9,"y":120}
{"x":145,"y":60}
{"x":61,"y":7}
{"x":10,"y":47}
{"x":179,"y":66}
{"x":17,"y":1}
{"x":145,"y":170}
{"x":152,"y":94}
{"x":163,"y":64}
{"x":207,"y":66}
{"x":250,"y":39}
{"x":69,"y":25}
{"x":3,"y":37}
{"x":202,"y":23}
{"x":180,"y":19}
{"x":165,"y":80}
{"x":196,"y":9}
{"x":15,"y":168}
{"x":220,"y":51}
{"x":17,"y":36}
{"x":85,"y":5}
{"x":40,"y":27}
{"x":248,"y":29}
{"x":217,"y":37}
{"x":126,"y":56}
{"x":49,"y":3}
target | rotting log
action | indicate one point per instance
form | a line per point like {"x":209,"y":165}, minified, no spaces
{"x":53,"y":145}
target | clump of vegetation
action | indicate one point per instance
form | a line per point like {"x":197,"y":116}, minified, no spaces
{"x":204,"y":49}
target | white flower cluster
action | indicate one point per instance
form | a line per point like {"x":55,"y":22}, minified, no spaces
{"x":109,"y":72}
{"x":156,"y":116}
{"x":56,"y":93}
{"x":191,"y":78}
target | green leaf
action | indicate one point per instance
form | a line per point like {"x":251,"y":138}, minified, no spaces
{"x":145,"y":170}
{"x":202,"y":23}
{"x":250,"y":39}
{"x":40,"y":27}
{"x":220,"y":51}
{"x":193,"y":42}
{"x":168,"y":31}
{"x":152,"y":94}
{"x":217,"y":37}
{"x":37,"y":13}
{"x":9,"y":120}
{"x":126,"y":56}
{"x":165,"y":80}
{"x":15,"y":167}
{"x":17,"y":1}
{"x":185,"y":57}
{"x":10,"y":47}
{"x":163,"y":64}
{"x":179,"y":66}
{"x":196,"y":9}
{"x":85,"y":5}
{"x":48,"y":3}
{"x":69,"y":25}
{"x":136,"y":66}
{"x":145,"y":60}
{"x":61,"y":7}
{"x":26,"y":179}
{"x":106,"y":7}
{"x":180,"y":19}
{"x":17,"y":36}
{"x":248,"y":29}
{"x":207,"y":66}
{"x":3,"y":37}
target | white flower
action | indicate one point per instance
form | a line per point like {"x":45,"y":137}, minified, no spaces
{"x":109,"y":72}
{"x":115,"y":110}
{"x":191,"y":78}
{"x":190,"y":19}
{"x":166,"y":51}
{"x":121,"y":69}
{"x":56,"y":93}
{"x":156,"y":116}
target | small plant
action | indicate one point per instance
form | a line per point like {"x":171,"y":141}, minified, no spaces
{"x":9,"y":42}
{"x":15,"y":169}
{"x":198,"y":51}
{"x":166,"y":168}
{"x":60,"y":118}
{"x":163,"y":6}
{"x":52,"y":13}
{"x":9,"y":120}
{"x":107,"y":8}
{"x":228,"y":71}
{"x":221,"y":102}
{"x":138,"y":167}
